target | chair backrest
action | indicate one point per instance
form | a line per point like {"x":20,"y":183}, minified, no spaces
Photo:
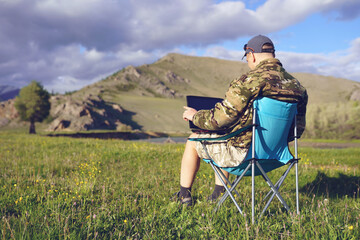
{"x":273,"y":120}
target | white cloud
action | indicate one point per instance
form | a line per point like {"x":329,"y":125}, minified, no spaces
{"x":343,"y":64}
{"x":221,"y":52}
{"x":83,"y":40}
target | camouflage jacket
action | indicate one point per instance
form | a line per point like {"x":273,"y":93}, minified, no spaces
{"x":268,"y":79}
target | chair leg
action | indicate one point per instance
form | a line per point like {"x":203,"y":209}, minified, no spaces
{"x":226,"y":194}
{"x":297,"y":187}
{"x":280,"y":181}
{"x":227,"y":180}
{"x":233,"y":186}
{"x":277,"y":185}
{"x":273,"y":187}
{"x":253,"y":191}
{"x":227,"y":189}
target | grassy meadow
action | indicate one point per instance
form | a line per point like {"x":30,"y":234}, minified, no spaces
{"x":64,"y":188}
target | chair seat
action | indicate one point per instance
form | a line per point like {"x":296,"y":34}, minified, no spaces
{"x":268,"y":165}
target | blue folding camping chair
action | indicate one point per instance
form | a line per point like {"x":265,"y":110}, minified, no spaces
{"x":272,"y":121}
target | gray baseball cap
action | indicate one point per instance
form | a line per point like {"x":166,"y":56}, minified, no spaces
{"x":256,"y":43}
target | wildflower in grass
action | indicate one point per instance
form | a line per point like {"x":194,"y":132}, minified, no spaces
{"x":87,"y":217}
{"x":125,"y":221}
{"x":351,"y":227}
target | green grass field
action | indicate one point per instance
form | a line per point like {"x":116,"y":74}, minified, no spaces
{"x":63,"y":188}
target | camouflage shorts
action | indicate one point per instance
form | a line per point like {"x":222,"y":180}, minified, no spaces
{"x":223,"y":154}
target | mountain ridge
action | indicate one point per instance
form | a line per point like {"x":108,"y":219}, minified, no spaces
{"x":8,"y":92}
{"x":151,"y":96}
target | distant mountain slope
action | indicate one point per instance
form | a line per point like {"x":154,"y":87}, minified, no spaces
{"x":325,"y":89}
{"x":8,"y":92}
{"x":152,"y":96}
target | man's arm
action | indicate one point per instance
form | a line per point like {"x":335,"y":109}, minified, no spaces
{"x":300,"y":118}
{"x":226,"y":114}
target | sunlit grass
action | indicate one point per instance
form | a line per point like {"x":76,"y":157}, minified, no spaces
{"x":63,"y":188}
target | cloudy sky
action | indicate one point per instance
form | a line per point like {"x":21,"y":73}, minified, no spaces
{"x":68,"y":44}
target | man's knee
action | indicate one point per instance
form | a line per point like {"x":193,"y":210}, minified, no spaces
{"x":192,"y":144}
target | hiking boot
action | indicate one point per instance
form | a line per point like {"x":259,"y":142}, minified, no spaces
{"x":187,"y":201}
{"x":218,"y":192}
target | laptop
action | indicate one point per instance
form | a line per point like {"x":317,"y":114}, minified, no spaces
{"x":199,"y":103}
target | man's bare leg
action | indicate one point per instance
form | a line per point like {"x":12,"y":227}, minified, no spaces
{"x":190,"y":164}
{"x":217,"y":180}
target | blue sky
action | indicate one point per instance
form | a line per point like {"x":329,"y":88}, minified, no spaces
{"x":69,"y":44}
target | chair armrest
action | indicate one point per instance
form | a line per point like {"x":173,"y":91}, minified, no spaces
{"x":225,"y":137}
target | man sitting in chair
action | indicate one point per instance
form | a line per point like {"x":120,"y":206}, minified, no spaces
{"x":266,"y":78}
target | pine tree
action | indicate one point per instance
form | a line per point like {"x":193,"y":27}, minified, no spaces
{"x":33,"y":104}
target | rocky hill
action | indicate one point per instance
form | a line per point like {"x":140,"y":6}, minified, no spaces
{"x":150,"y":97}
{"x":7,"y":112}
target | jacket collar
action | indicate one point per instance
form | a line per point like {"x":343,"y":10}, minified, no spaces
{"x":269,"y":61}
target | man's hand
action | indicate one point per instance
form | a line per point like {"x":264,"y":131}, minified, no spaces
{"x":189,"y":113}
